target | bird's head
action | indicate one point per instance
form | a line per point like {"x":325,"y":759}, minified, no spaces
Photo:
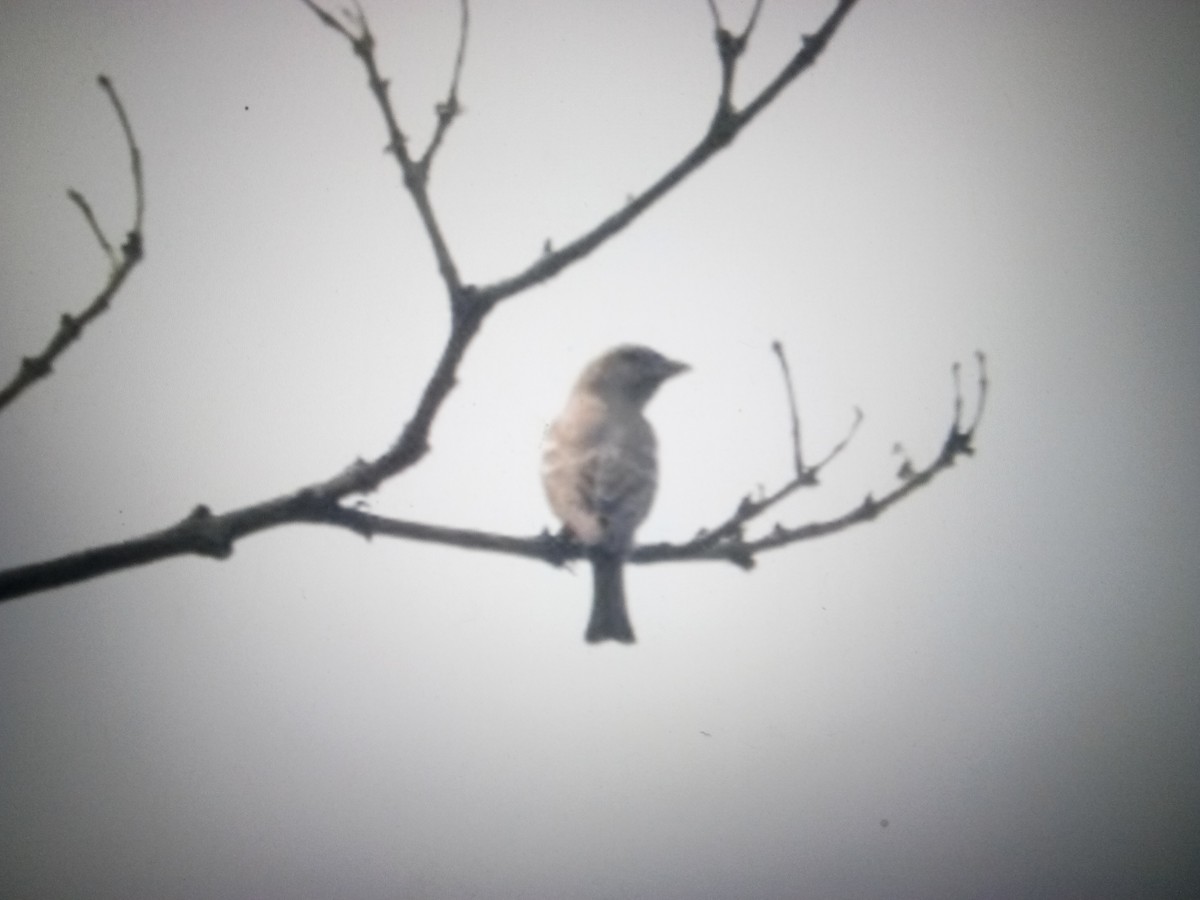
{"x":629,"y":373}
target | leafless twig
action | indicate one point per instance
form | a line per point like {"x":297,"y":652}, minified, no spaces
{"x":70,"y":327}
{"x":414,"y":174}
{"x":735,"y":548}
{"x":797,"y":450}
{"x":449,"y":109}
{"x":726,"y":124}
{"x":730,"y":48}
{"x":90,"y":217}
{"x":205,"y":534}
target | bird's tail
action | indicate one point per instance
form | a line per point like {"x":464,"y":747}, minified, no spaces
{"x":609,"y":619}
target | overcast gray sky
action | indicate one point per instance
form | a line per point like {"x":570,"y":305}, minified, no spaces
{"x":1004,"y":669}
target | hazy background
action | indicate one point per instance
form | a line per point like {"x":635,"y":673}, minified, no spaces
{"x":1004,"y":668}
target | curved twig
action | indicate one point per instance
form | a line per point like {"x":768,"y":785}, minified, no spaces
{"x":727,"y":123}
{"x":70,"y":327}
{"x":449,"y":109}
{"x":205,"y":534}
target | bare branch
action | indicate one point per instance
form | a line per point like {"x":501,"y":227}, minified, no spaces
{"x":90,"y":217}
{"x":750,"y":508}
{"x":70,"y":327}
{"x":981,"y":362}
{"x":330,"y":21}
{"x":202,"y":533}
{"x":725,"y":126}
{"x":758,"y":4}
{"x":413,"y":173}
{"x":810,"y":49}
{"x":797,"y":452}
{"x":135,"y":155}
{"x":730,"y":48}
{"x":959,"y":440}
{"x":449,"y":109}
{"x":734,"y":548}
{"x":472,"y":304}
{"x":716,"y":14}
{"x":839,"y":446}
{"x":207,"y":534}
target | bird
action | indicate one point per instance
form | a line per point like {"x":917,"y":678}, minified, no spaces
{"x":600,"y":471}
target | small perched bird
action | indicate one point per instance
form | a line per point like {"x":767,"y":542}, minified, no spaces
{"x":600,"y":469}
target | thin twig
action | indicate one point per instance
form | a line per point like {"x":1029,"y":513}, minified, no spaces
{"x":70,"y":327}
{"x":840,"y":445}
{"x":981,"y":362}
{"x":758,"y":4}
{"x":84,"y":207}
{"x":797,"y":452}
{"x":135,"y":155}
{"x":208,"y":534}
{"x":414,"y":175}
{"x":716,"y":14}
{"x":741,"y":552}
{"x":205,"y":534}
{"x":810,"y":49}
{"x":718,"y":136}
{"x":450,"y":108}
{"x":330,"y":20}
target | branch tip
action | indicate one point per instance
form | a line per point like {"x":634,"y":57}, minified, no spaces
{"x":133,"y":247}
{"x":797,"y":452}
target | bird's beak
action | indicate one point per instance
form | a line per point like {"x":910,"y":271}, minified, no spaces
{"x":670,"y":368}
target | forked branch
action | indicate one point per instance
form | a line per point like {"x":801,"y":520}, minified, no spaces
{"x":447,"y":111}
{"x":329,"y":502}
{"x":121,"y":263}
{"x":415,"y":172}
{"x":726,"y":124}
{"x":733,"y":546}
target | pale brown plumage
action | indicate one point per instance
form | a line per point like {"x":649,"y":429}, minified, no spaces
{"x":600,"y":470}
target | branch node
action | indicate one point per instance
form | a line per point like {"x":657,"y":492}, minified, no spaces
{"x":906,"y":470}
{"x":729,"y":46}
{"x":446,"y":112}
{"x":724,"y":127}
{"x":35,"y":366}
{"x":364,"y":44}
{"x":70,"y":326}
{"x":559,"y":548}
{"x":133,"y":247}
{"x":314,"y":505}
{"x":741,"y":557}
{"x":812,"y":43}
{"x":468,"y":308}
{"x":206,"y":534}
{"x":357,"y":520}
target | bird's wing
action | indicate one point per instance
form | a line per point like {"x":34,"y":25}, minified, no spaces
{"x":599,"y":472}
{"x":617,"y":483}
